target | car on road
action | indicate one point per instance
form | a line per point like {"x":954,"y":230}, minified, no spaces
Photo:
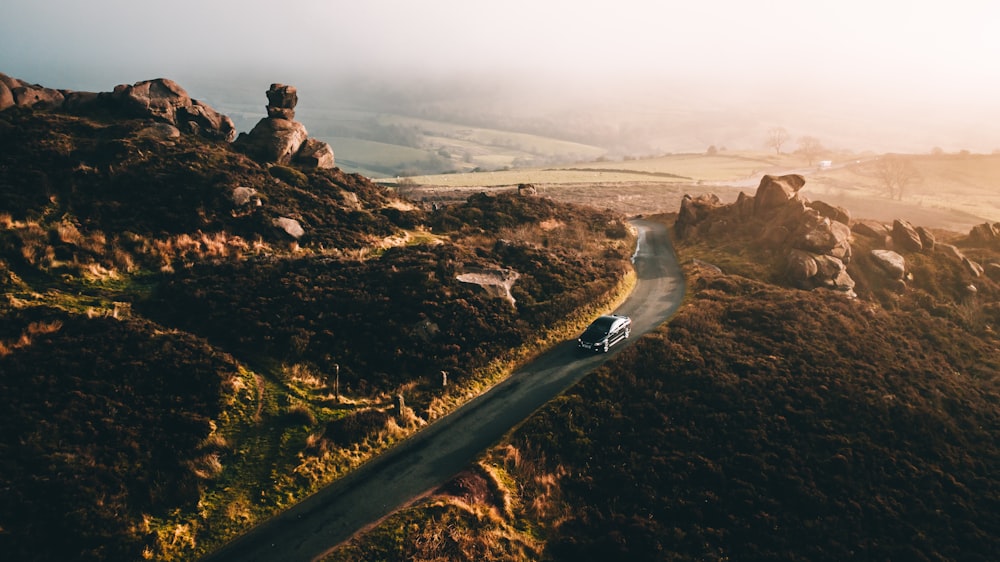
{"x":605,"y":332}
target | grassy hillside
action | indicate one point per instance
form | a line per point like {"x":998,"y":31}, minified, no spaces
{"x":761,"y":423}
{"x":180,"y":362}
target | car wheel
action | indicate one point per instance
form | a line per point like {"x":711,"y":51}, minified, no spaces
{"x":628,"y":333}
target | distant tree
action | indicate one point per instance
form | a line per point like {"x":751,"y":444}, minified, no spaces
{"x":712,"y":150}
{"x":896,"y":174}
{"x":937,"y":151}
{"x":810,"y":148}
{"x":776,"y":138}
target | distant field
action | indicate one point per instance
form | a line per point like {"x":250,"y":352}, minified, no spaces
{"x":953,"y":192}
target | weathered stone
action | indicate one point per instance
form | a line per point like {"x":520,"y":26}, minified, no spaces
{"x":280,"y":113}
{"x":972,"y":267}
{"x":78,"y":101}
{"x":774,"y":191}
{"x":870,"y":229}
{"x":744,"y":205}
{"x":985,"y":233}
{"x":927,"y":238}
{"x":37,"y":97}
{"x":831,"y":212}
{"x":821,"y":235}
{"x":164,"y":100}
{"x":243,"y":195}
{"x":694,"y":211}
{"x":905,"y":237}
{"x":801,"y":267}
{"x":950,"y":251}
{"x":893,"y":264}
{"x":527,"y":189}
{"x":290,"y":226}
{"x":6,"y":96}
{"x":273,"y":140}
{"x":281,"y":95}
{"x":160,"y":131}
{"x":315,"y":153}
{"x":200,"y":119}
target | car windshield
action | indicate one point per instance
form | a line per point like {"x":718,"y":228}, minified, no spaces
{"x":600,"y":327}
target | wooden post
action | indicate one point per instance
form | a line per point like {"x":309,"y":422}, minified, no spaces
{"x":336,"y":380}
{"x":444,"y":378}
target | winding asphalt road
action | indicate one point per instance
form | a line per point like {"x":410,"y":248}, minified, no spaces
{"x":425,"y":461}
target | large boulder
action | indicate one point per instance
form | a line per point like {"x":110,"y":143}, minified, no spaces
{"x":832,"y":212}
{"x":870,"y":229}
{"x":37,"y":97}
{"x":315,"y":153}
{"x":809,"y":270}
{"x":927,"y":238}
{"x":694,"y":211}
{"x":985,"y":233}
{"x":774,"y":191}
{"x":821,"y":235}
{"x":801,"y":267}
{"x":6,"y":96}
{"x":905,"y":237}
{"x":273,"y":140}
{"x":164,"y":100}
{"x":281,"y":101}
{"x":891,"y":263}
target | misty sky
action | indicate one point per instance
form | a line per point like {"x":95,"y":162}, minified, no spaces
{"x":932,"y":63}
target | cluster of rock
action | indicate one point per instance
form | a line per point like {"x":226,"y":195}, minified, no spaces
{"x":161,"y":99}
{"x":815,"y":237}
{"x":279,"y":138}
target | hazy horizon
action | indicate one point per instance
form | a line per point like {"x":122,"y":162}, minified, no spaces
{"x":886,"y":76}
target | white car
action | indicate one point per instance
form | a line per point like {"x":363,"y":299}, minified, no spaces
{"x":605,"y":332}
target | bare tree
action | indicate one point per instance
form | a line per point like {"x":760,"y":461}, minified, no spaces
{"x":776,"y":138}
{"x":811,"y":148}
{"x":896,"y":174}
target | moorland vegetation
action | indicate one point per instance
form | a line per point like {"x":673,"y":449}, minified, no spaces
{"x":763,"y":422}
{"x":192,"y":340}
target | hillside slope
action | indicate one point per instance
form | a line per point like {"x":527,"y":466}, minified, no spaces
{"x":192,"y":340}
{"x":764,"y":422}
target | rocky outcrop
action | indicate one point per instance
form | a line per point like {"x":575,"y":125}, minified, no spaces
{"x":693,"y":211}
{"x":164,"y":100}
{"x":927,"y":238}
{"x":527,"y":189}
{"x":273,"y":140}
{"x":973,"y":268}
{"x":774,"y":192}
{"x":986,"y":234}
{"x":905,"y":237}
{"x":315,"y":153}
{"x":161,"y":100}
{"x":278,"y":138}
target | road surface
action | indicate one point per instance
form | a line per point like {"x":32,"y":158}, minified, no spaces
{"x":428,"y":459}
